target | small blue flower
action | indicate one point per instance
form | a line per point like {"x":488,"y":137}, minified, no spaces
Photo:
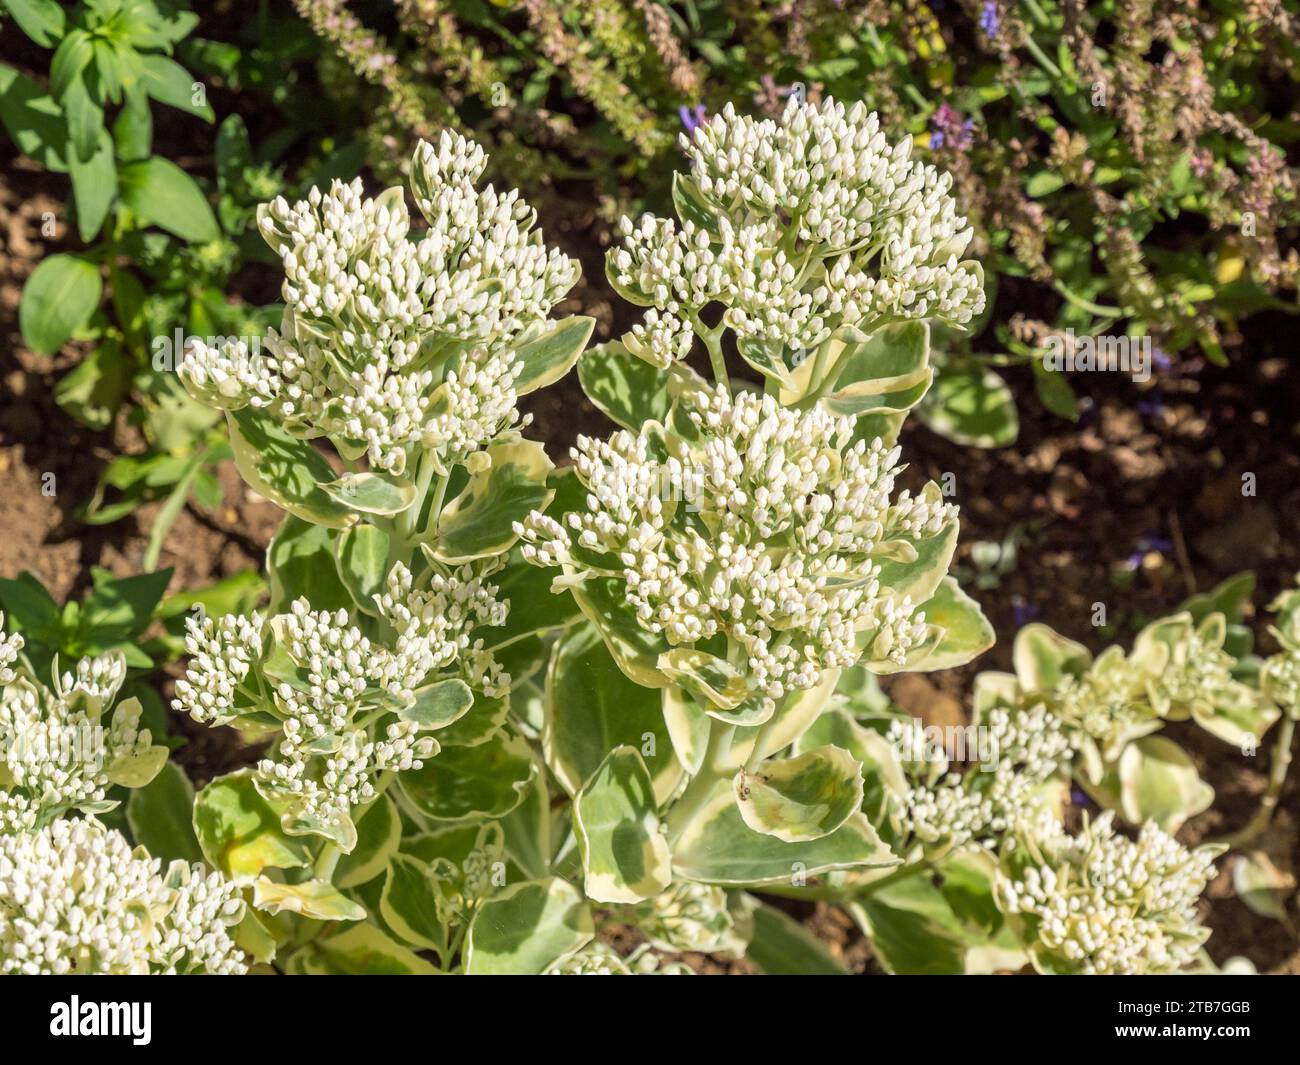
{"x":1022,"y":612}
{"x":693,"y":118}
{"x":989,"y":20}
{"x":1145,"y":546}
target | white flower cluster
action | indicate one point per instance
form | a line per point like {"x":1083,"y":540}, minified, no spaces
{"x":11,"y":646}
{"x":814,"y":221}
{"x":55,"y":751}
{"x":660,"y":339}
{"x":1099,"y":903}
{"x":765,"y":527}
{"x":75,"y":898}
{"x":326,"y":757}
{"x":1022,"y":753}
{"x":689,"y":917}
{"x":390,"y":342}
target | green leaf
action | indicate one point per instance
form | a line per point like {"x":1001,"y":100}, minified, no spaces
{"x":534,"y":609}
{"x":161,"y":814}
{"x":239,"y":831}
{"x":58,"y":299}
{"x":359,"y":950}
{"x":162,"y":194}
{"x":379,"y":831}
{"x":316,"y":899}
{"x":886,"y":371}
{"x":479,"y":522}
{"x":627,"y":389}
{"x":780,"y":946}
{"x":371,"y":493}
{"x":170,"y":83}
{"x":94,"y":184}
{"x":1158,"y":782}
{"x":133,"y":129}
{"x":93,"y":391}
{"x":300,"y":561}
{"x":33,"y":120}
{"x":409,"y":904}
{"x":549,"y":355}
{"x":85,"y":119}
{"x":284,"y":469}
{"x":526,"y":928}
{"x":71,"y":57}
{"x":635,"y":650}
{"x":485,"y":781}
{"x":717,"y":847}
{"x":362,"y":560}
{"x":438,"y":705}
{"x":28,"y":607}
{"x":971,"y":406}
{"x":801,"y":798}
{"x":122,"y":608}
{"x":624,"y":854}
{"x":715,"y":683}
{"x":590,"y":707}
{"x":136,"y":768}
{"x":41,"y":20}
{"x":966,"y":631}
{"x":1043,"y":658}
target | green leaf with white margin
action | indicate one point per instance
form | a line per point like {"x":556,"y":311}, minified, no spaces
{"x":971,"y":406}
{"x":485,"y":781}
{"x":717,"y":847}
{"x":590,"y":707}
{"x":793,"y":714}
{"x":801,"y":798}
{"x":883,"y":779}
{"x":409,"y":904}
{"x":534,"y":608}
{"x":886,"y":371}
{"x":316,"y":899}
{"x":524,"y":929}
{"x":239,"y":831}
{"x":361,"y":554}
{"x":912,"y":928}
{"x":370,"y":492}
{"x":161,"y":816}
{"x":136,"y":768}
{"x":479,"y":522}
{"x":628,"y":390}
{"x":379,"y":832}
{"x":360,"y":949}
{"x":624,"y":854}
{"x":688,"y":728}
{"x":477,"y":725}
{"x":780,"y":946}
{"x":549,"y":352}
{"x":967,"y":633}
{"x":1043,"y":658}
{"x":715,"y":683}
{"x":58,"y":299}
{"x":299,"y":561}
{"x":1239,"y":716}
{"x":635,"y":650}
{"x":284,"y":469}
{"x":920,"y":578}
{"x":1158,"y":782}
{"x":437,"y":705}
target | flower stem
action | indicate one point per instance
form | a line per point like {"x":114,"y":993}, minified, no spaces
{"x":1276,"y":778}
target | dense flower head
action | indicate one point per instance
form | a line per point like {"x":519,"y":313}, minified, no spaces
{"x":56,"y":753}
{"x":1022,"y":753}
{"x":75,"y":898}
{"x":1100,"y":903}
{"x":689,"y":917}
{"x":802,"y":225}
{"x":336,"y":692}
{"x":759,"y":523}
{"x":390,"y":342}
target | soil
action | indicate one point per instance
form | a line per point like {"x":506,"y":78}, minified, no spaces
{"x":1135,"y":507}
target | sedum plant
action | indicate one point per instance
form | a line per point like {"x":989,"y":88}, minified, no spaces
{"x":513,"y":712}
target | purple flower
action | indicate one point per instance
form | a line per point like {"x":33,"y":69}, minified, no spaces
{"x":1162,"y":360}
{"x":989,"y":20}
{"x":1023,"y":612}
{"x":949,"y":127}
{"x":1145,"y":546}
{"x":1078,"y":797}
{"x":1152,"y":407}
{"x":693,"y":118}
